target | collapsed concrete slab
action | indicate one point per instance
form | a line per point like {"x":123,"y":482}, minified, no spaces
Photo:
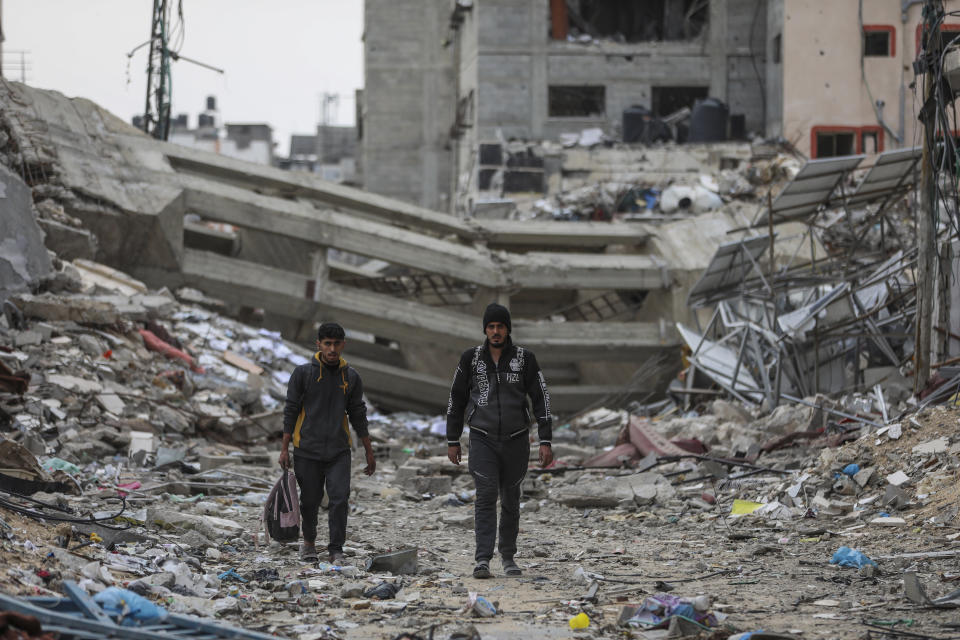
{"x":261,"y":238}
{"x":23,"y":257}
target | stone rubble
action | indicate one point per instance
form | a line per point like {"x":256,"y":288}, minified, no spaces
{"x":752,"y":539}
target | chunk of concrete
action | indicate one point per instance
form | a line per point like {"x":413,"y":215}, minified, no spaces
{"x":898,"y":478}
{"x":894,"y":497}
{"x":863,"y":477}
{"x":27,"y":339}
{"x":72,"y":383}
{"x":436,"y":485}
{"x":210,"y":526}
{"x":464,"y":520}
{"x":66,"y":308}
{"x":90,"y":346}
{"x":24,"y":259}
{"x":111,"y":403}
{"x":940,"y":445}
{"x":397,"y":562}
{"x":730,"y":412}
{"x":352,"y":590}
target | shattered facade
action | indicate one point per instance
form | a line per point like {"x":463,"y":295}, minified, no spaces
{"x":448,"y":85}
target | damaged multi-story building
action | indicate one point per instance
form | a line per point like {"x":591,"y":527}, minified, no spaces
{"x":840,"y":78}
{"x":448,"y":82}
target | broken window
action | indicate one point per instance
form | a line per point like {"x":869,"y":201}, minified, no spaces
{"x":831,"y":141}
{"x":576,"y":102}
{"x":878,"y":40}
{"x":835,"y":143}
{"x":667,"y":100}
{"x":870,"y":142}
{"x":629,"y":20}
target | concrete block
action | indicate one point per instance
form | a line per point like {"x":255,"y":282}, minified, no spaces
{"x":67,"y":308}
{"x":212,"y":462}
{"x":27,"y":339}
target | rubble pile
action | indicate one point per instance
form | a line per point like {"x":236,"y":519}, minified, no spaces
{"x":146,"y":470}
{"x":651,"y":196}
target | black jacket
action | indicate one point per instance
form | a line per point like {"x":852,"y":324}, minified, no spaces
{"x":319,"y":400}
{"x":493,"y":398}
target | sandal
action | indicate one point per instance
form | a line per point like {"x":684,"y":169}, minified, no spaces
{"x":308,"y":553}
{"x":511,"y":568}
{"x":482,"y":570}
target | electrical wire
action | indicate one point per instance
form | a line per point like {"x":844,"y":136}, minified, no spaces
{"x":866,"y":83}
{"x":42,"y":516}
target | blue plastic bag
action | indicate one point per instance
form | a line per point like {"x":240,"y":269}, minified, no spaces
{"x":129,"y":608}
{"x":847,"y":557}
{"x":851,"y":469}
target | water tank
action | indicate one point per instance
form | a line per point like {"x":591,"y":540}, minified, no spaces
{"x":635,"y":121}
{"x":708,"y":122}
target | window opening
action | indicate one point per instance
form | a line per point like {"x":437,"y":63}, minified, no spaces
{"x":667,"y":100}
{"x":777,"y":48}
{"x":576,"y":102}
{"x":629,"y":20}
{"x":836,"y":143}
{"x":878,"y":40}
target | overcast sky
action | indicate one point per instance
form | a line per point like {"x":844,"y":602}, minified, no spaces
{"x":279,"y":56}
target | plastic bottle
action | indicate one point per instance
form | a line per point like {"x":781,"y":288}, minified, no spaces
{"x":579,"y":621}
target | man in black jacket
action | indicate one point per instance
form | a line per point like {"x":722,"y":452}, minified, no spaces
{"x":490,"y":389}
{"x":321,"y":395}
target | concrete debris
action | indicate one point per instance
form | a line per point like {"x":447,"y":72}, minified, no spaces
{"x":139,"y":429}
{"x":193,"y":455}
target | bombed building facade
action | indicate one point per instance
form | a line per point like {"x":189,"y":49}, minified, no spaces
{"x":466,"y":77}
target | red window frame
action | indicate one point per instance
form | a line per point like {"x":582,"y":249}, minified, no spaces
{"x":948,"y":27}
{"x":856,"y":131}
{"x":888,"y":28}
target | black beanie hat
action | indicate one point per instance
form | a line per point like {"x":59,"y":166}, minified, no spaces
{"x":496,"y":313}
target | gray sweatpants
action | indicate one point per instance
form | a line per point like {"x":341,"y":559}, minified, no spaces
{"x":498,"y":468}
{"x":313,"y":476}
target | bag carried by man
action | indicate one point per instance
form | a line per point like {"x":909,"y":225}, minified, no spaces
{"x":281,"y":514}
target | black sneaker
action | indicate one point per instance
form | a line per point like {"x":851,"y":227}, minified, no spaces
{"x":511,"y":568}
{"x":482,"y":570}
{"x":308,"y":552}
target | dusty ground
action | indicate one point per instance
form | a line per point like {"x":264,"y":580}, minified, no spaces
{"x":761,"y":573}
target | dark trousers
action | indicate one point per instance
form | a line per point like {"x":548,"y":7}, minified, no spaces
{"x":312,"y":476}
{"x":498,"y":468}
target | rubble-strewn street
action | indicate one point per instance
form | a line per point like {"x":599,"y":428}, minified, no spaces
{"x":172,"y":456}
{"x":709,"y":248}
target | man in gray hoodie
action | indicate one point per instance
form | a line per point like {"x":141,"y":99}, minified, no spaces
{"x":321,"y":396}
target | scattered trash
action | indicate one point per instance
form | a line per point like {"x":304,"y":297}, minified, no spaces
{"x":382,"y":591}
{"x":579,"y":621}
{"x":847,"y":557}
{"x":480,"y":607}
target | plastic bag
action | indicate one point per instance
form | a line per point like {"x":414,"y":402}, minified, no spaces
{"x":128,"y":608}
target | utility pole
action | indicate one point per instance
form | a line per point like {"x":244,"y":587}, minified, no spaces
{"x":927,"y":215}
{"x":156,"y":112}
